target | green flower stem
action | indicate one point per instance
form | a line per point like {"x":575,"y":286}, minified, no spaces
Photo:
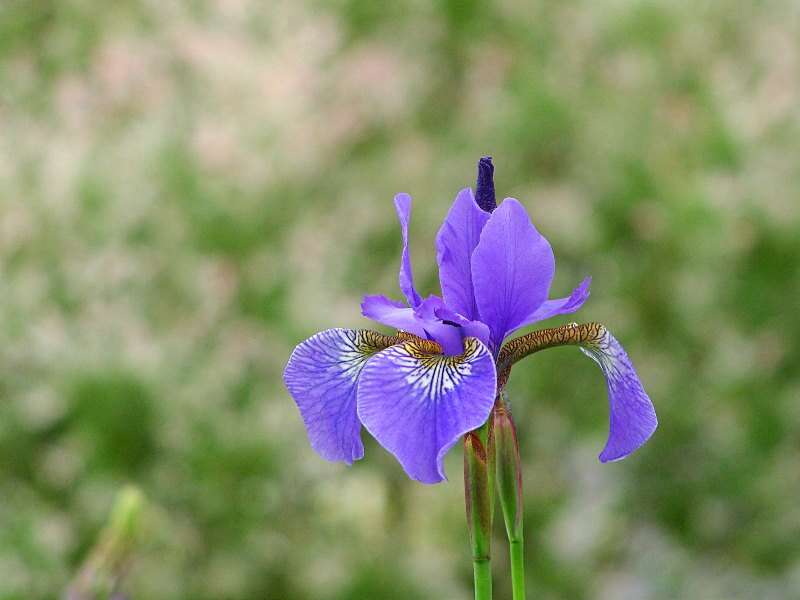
{"x":479,"y":498}
{"x":517,"y":569}
{"x":482,"y":570}
{"x":509,"y":487}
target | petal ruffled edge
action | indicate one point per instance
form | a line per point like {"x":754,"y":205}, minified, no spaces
{"x":418,"y":405}
{"x":322,"y":377}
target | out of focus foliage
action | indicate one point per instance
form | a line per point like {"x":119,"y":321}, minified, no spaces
{"x":188,"y":189}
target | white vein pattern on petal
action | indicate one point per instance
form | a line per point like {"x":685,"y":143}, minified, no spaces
{"x":606,"y":354}
{"x":417,"y":404}
{"x":435,"y":376}
{"x":321,"y":376}
{"x":631,"y":405}
{"x":614,"y":361}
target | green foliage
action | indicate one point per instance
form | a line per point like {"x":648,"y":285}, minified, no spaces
{"x":187,"y":190}
{"x":113,"y":415}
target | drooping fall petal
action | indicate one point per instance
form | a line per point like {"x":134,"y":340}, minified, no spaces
{"x":322,"y":376}
{"x":418,"y":404}
{"x":633,"y":417}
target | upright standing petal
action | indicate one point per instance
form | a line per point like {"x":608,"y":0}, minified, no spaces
{"x":512,"y":268}
{"x":402,"y":204}
{"x":633,"y":418}
{"x":417,"y":404}
{"x":322,"y":376}
{"x":559,"y":306}
{"x":455,"y":243}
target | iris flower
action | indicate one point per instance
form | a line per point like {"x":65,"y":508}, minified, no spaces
{"x":419,"y":391}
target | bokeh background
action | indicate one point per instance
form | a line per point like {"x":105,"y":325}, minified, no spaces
{"x":189,"y":189}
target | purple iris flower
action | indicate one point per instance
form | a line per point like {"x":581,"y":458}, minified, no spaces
{"x":418,"y":392}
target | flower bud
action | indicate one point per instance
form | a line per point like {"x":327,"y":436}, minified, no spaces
{"x":509,"y":471}
{"x":109,"y":560}
{"x":479,"y":489}
{"x":484,"y":188}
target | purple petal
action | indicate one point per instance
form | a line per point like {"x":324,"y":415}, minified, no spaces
{"x":455,"y":242}
{"x":402,"y":204}
{"x":468,"y":328}
{"x":392,"y":314}
{"x":321,"y":376}
{"x":421,"y":321}
{"x":418,"y":405}
{"x":560,"y":306}
{"x":449,"y":336}
{"x":512,"y":268}
{"x":633,"y":417}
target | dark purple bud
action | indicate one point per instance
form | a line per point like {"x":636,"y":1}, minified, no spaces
{"x":484,"y":190}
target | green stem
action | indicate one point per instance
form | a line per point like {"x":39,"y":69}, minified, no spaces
{"x":517,"y":569}
{"x":482,"y":569}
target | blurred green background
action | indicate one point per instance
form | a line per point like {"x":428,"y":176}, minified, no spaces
{"x":189,"y":189}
